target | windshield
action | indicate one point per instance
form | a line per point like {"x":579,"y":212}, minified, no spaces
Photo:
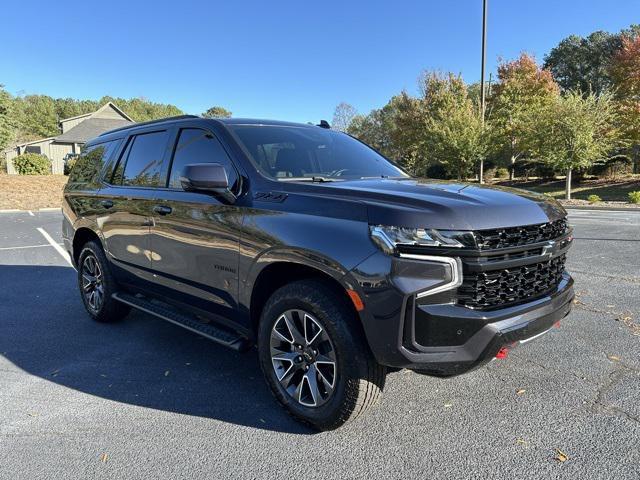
{"x":314,"y":154}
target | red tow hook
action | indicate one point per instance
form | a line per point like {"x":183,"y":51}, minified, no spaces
{"x":502,"y":353}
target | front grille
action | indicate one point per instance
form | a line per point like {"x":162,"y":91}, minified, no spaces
{"x":493,"y":288}
{"x":518,"y":236}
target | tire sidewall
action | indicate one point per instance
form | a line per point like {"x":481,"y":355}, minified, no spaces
{"x":347,"y":360}
{"x":95,"y":250}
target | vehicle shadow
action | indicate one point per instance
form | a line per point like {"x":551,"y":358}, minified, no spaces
{"x":45,"y":331}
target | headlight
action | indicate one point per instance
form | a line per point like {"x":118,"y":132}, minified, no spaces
{"x":388,"y":238}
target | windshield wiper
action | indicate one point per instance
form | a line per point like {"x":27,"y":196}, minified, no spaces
{"x":386,"y":177}
{"x":314,"y":179}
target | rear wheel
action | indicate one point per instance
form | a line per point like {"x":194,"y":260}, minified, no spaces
{"x":314,"y":357}
{"x":97,"y":285}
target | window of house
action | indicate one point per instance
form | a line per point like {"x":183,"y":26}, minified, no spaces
{"x":33,"y":149}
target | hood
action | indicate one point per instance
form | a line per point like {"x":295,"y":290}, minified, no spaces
{"x":446,"y":205}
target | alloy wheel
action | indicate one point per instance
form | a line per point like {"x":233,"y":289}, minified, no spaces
{"x":303,"y":358}
{"x":92,"y":285}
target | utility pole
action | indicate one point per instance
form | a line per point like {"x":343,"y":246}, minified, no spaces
{"x":482,"y":89}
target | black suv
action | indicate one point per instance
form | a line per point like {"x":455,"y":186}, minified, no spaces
{"x":309,"y":244}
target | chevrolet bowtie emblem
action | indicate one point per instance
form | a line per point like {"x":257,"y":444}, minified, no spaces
{"x":548,"y":249}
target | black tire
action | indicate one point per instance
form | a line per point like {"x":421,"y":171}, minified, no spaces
{"x":358,"y":380}
{"x":107,"y":310}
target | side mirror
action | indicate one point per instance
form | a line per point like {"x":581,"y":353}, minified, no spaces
{"x":207,"y":177}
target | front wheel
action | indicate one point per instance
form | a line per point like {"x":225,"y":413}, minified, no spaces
{"x":314,"y":356}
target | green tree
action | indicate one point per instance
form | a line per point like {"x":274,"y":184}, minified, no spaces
{"x":442,"y":125}
{"x":454,"y":133}
{"x":70,"y":107}
{"x":522,"y":90}
{"x":141,"y":110}
{"x":217,"y":112}
{"x":579,"y":63}
{"x":375,"y":129}
{"x":395,"y":130}
{"x":7,"y":120}
{"x":36,"y":117}
{"x":577,"y":131}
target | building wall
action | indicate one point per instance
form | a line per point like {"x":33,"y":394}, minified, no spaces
{"x":69,"y":124}
{"x":58,"y":152}
{"x":108,"y":113}
{"x":9,"y":155}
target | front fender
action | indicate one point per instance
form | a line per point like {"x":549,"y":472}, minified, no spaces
{"x":332,"y":246}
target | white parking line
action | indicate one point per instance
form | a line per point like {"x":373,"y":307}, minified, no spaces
{"x":22,"y":247}
{"x":55,"y":245}
{"x":31,"y":213}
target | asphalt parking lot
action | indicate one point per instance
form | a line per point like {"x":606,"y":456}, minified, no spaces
{"x":146,"y":399}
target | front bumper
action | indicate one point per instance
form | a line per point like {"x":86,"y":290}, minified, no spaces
{"x":501,"y":328}
{"x":439,"y":337}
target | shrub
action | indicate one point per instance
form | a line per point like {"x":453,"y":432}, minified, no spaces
{"x":502,"y":172}
{"x":634,"y":197}
{"x":594,"y":199}
{"x":489,"y":173}
{"x":32,"y":164}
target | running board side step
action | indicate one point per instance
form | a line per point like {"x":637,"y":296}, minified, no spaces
{"x":218,"y":335}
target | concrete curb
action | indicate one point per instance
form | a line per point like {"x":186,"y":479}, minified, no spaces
{"x":605,"y":209}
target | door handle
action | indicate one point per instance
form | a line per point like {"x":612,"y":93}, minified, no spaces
{"x":162,"y":210}
{"x":106,"y":203}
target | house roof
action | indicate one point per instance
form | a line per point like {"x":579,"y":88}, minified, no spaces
{"x":22,"y":144}
{"x":97,"y":113}
{"x":77,"y":116}
{"x":90,"y":128}
{"x":115,"y":107}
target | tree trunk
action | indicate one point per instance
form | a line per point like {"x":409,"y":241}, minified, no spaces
{"x":512,"y":170}
{"x":568,"y":185}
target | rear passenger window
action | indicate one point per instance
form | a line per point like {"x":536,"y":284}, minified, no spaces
{"x":199,"y":146}
{"x":141,"y":163}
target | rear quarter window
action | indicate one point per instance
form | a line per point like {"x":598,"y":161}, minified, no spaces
{"x":88,"y":167}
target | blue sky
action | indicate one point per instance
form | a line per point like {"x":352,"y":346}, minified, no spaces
{"x":291,"y":60}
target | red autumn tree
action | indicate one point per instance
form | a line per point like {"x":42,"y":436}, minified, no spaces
{"x":523,"y":89}
{"x":625,"y":74}
{"x":625,"y":69}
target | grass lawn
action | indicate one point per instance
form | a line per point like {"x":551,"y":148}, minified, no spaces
{"x":608,"y":190}
{"x":30,"y":192}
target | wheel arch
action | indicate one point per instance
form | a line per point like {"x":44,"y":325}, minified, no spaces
{"x":81,"y":236}
{"x":282,"y":272}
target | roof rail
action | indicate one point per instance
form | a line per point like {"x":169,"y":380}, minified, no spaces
{"x":150,"y":122}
